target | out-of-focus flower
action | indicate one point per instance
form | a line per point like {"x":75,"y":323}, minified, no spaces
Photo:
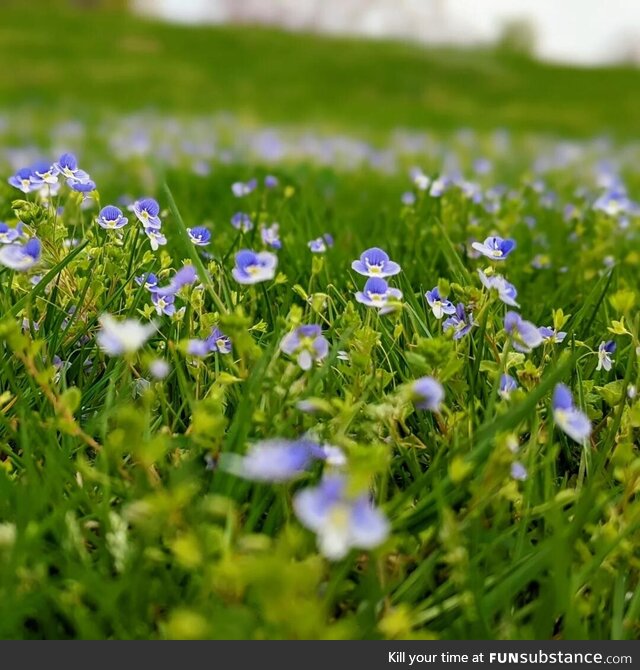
{"x":156,"y":238}
{"x":81,"y":185}
{"x":524,"y":335}
{"x":23,"y":181}
{"x":159,"y":368}
{"x":507,"y":385}
{"x":270,"y":181}
{"x":252,"y":267}
{"x":122,"y":337}
{"x":375,"y":262}
{"x":495,"y":248}
{"x":271,"y":236}
{"x":569,"y":418}
{"x":518,"y":471}
{"x":307,"y":344}
{"x":9,"y":235}
{"x":321,"y":244}
{"x":242,"y":222}
{"x":428,"y":393}
{"x":439,"y":305}
{"x":21,"y":257}
{"x":550,"y":335}
{"x":506,"y":291}
{"x":183,"y":277}
{"x":604,"y":355}
{"x":240,"y":189}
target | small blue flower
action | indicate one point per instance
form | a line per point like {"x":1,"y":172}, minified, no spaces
{"x":320,"y":244}
{"x":241,"y":189}
{"x":604,"y":355}
{"x":614,"y":203}
{"x":375,"y":262}
{"x":495,"y":248}
{"x":570,"y":419}
{"x":524,"y":335}
{"x":183,"y":277}
{"x":408,"y":198}
{"x":164,"y":304}
{"x":551,"y":335}
{"x":307,"y":344}
{"x":428,"y":393}
{"x":460,"y":322}
{"x":44,"y":172}
{"x":200,"y":236}
{"x":241,"y":221}
{"x":159,"y":368}
{"x":219,"y":342}
{"x":22,"y":180}
{"x":156,"y":238}
{"x":270,"y":181}
{"x":377,"y":293}
{"x":198,"y":348}
{"x":122,"y":337}
{"x":111,"y":218}
{"x":8,"y":234}
{"x":21,"y":257}
{"x":252,"y":267}
{"x":518,"y":471}
{"x":67,"y":166}
{"x":439,"y":305}
{"x":271,"y":236}
{"x":147,"y":211}
{"x":507,"y":385}
{"x":81,"y":185}
{"x":149,"y":281}
{"x":506,"y":291}
{"x":340,"y":522}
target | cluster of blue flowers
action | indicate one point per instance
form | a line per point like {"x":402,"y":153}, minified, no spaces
{"x":375,"y":264}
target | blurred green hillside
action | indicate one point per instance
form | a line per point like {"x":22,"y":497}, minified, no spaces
{"x":77,"y":60}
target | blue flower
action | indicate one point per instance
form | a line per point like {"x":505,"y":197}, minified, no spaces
{"x":111,"y":218}
{"x":21,"y":257}
{"x":149,"y":281}
{"x":81,"y":185}
{"x":524,"y":335}
{"x":200,"y":236}
{"x":156,"y":238}
{"x":341,"y":522}
{"x":164,"y":303}
{"x":219,"y":342}
{"x":375,"y":262}
{"x":22,"y":180}
{"x":198,"y":348}
{"x":122,"y":337}
{"x":270,"y":181}
{"x":44,"y":172}
{"x":614,"y":203}
{"x":506,"y":291}
{"x":320,"y":244}
{"x":507,"y":385}
{"x":183,"y":277}
{"x":147,"y":211}
{"x":377,"y":293}
{"x":408,"y":198}
{"x":8,"y":234}
{"x":518,"y":471}
{"x":252,"y":267}
{"x":428,"y":393}
{"x":551,"y":335}
{"x":271,"y":236}
{"x":242,"y":222}
{"x":495,"y":248}
{"x":67,"y":166}
{"x":241,"y":189}
{"x":570,"y":419}
{"x":460,"y":322}
{"x":307,"y":344}
{"x":604,"y":355}
{"x":439,"y":305}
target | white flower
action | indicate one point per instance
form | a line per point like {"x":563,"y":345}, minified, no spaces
{"x":123,"y":337}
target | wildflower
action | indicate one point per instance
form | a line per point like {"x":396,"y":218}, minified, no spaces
{"x":81,"y":186}
{"x":122,"y":337}
{"x":506,"y":291}
{"x":21,"y":256}
{"x":518,"y":471}
{"x":307,"y":343}
{"x":320,"y":244}
{"x":22,"y":180}
{"x":219,"y":342}
{"x":43,"y":171}
{"x":270,"y":181}
{"x":460,"y":322}
{"x":198,"y":348}
{"x":149,"y":281}
{"x":507,"y":385}
{"x":428,"y":393}
{"x":340,"y":522}
{"x":111,"y":218}
{"x":241,"y":221}
{"x":164,"y":304}
{"x":439,"y":305}
{"x":241,"y":189}
{"x":184,"y":276}
{"x":252,"y":267}
{"x":569,"y":418}
{"x":551,"y":335}
{"x":375,"y":262}
{"x":495,"y":248}
{"x":159,"y":368}
{"x":67,"y":166}
{"x":604,"y":355}
{"x":377,"y":293}
{"x":614,"y":202}
{"x":8,"y":234}
{"x":524,"y":335}
{"x":271,"y":236}
{"x":200,"y":236}
{"x":147,"y":211}
{"x":408,"y":198}
{"x":438,"y":186}
{"x":421,"y":182}
{"x":156,"y":238}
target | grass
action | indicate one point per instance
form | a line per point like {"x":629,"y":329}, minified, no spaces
{"x":120,"y":514}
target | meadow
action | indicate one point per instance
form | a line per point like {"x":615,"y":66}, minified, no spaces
{"x":279,"y":368}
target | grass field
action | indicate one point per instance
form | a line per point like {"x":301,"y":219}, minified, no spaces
{"x":405,"y":470}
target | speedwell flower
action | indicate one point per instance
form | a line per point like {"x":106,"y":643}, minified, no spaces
{"x":507,"y":385}
{"x":252,"y":267}
{"x":21,"y":256}
{"x":147,"y":211}
{"x":200,"y":236}
{"x":524,"y":335}
{"x":122,"y":337}
{"x":320,"y":244}
{"x":460,"y":322}
{"x":156,"y":238}
{"x":307,"y":344}
{"x":23,"y":181}
{"x":377,"y":293}
{"x":183,"y":277}
{"x":219,"y":342}
{"x":271,"y":236}
{"x":81,"y":185}
{"x":375,"y":262}
{"x":149,"y":281}
{"x":551,"y":335}
{"x":439,"y":305}
{"x":341,"y":522}
{"x":111,"y":218}
{"x":164,"y":303}
{"x":604,"y":355}
{"x":67,"y":166}
{"x":428,"y":393}
{"x":569,"y":418}
{"x":506,"y":291}
{"x":8,"y":234}
{"x":241,"y":221}
{"x":44,"y":172}
{"x":495,"y":248}
{"x":241,"y":189}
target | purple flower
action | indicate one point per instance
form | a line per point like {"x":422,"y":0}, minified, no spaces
{"x":200,"y":236}
{"x":122,"y":337}
{"x":241,"y":189}
{"x":198,"y":348}
{"x":408,"y":198}
{"x":159,"y":368}
{"x":164,"y":304}
{"x":81,"y":185}
{"x":507,"y":385}
{"x":604,"y":355}
{"x":43,"y":171}
{"x":375,"y":262}
{"x":341,"y":522}
{"x":156,"y":238}
{"x":524,"y":335}
{"x":460,"y":322}
{"x":428,"y":393}
{"x":506,"y":291}
{"x":271,"y":236}
{"x":111,"y":218}
{"x":184,"y":276}
{"x":147,"y":211}
{"x":439,"y":305}
{"x":614,"y":203}
{"x":242,"y":221}
{"x":252,"y":267}
{"x":8,"y":234}
{"x":219,"y":342}
{"x":67,"y":165}
{"x":320,"y":244}
{"x":518,"y":471}
{"x":307,"y":344}
{"x":570,"y":419}
{"x":22,"y":180}
{"x":377,"y":293}
{"x":495,"y":248}
{"x":270,"y":181}
{"x":21,"y":257}
{"x":149,"y":281}
{"x":551,"y":335}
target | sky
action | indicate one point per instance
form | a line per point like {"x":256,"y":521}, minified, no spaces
{"x":577,"y":31}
